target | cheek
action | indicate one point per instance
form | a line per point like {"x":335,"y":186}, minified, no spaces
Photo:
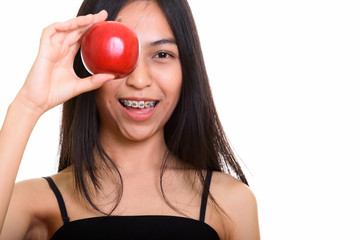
{"x":101,"y":103}
{"x":170,"y":81}
{"x":108,"y":89}
{"x":106,"y":93}
{"x":109,"y":86}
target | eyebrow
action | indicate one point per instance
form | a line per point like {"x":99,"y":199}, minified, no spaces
{"x":163,"y":41}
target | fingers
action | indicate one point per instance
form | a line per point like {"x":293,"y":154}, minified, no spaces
{"x":65,"y":36}
{"x":75,"y":28}
{"x":93,"y":82}
{"x":80,"y":22}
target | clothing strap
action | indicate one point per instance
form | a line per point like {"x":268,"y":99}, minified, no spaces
{"x":205,"y":195}
{"x":59,"y":198}
{"x":66,"y":219}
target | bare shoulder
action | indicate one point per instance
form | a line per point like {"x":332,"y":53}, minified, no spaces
{"x":31,"y":195}
{"x":33,"y":211}
{"x":29,"y":210}
{"x":239,"y":203}
{"x":37,"y":195}
{"x":231,"y":190}
{"x":30,"y":186}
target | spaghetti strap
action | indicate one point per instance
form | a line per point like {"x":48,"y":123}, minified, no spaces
{"x":66,"y":219}
{"x":205,"y":195}
{"x":59,"y":198}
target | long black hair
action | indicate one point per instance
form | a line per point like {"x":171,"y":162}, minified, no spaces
{"x":193,"y":133}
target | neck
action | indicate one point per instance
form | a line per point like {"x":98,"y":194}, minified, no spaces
{"x":132,"y":157}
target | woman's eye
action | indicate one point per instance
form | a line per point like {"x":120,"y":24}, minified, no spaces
{"x":162,"y":55}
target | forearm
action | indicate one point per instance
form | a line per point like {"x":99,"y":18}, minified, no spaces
{"x":50,"y":82}
{"x":14,"y":135}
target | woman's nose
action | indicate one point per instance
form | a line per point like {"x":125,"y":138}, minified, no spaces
{"x":140,"y":77}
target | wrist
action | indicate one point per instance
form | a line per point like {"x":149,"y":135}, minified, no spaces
{"x":25,"y":108}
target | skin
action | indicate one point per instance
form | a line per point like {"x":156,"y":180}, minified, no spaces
{"x":158,"y":76}
{"x":29,"y":210}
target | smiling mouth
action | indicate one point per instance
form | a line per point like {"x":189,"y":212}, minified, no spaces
{"x":138,"y":107}
{"x":138,"y":104}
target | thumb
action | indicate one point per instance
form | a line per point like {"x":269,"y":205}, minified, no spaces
{"x":93,"y":82}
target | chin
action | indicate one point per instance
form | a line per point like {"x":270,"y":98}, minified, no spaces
{"x":139,"y":134}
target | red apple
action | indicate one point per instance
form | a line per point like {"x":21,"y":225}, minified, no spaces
{"x":110,"y":47}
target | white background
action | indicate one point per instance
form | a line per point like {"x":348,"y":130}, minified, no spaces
{"x":286,"y":82}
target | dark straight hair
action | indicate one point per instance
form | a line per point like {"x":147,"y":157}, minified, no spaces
{"x":193,"y":133}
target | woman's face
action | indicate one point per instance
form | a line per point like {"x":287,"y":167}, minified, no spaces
{"x":156,"y":81}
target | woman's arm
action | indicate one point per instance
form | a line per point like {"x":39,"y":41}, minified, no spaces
{"x":18,"y":125}
{"x":245,"y":214}
{"x":239,"y":203}
{"x":50,"y":82}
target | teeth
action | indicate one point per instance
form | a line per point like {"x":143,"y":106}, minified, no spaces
{"x":134,"y":104}
{"x":138,"y":104}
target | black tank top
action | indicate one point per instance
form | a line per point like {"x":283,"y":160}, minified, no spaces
{"x":141,"y":227}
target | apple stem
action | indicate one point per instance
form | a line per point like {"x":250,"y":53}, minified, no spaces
{"x":119,"y":19}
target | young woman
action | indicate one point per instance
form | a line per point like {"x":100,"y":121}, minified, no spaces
{"x":124,"y":172}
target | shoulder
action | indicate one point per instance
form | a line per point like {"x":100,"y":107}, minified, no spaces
{"x":37,"y":193}
{"x":31,"y":194}
{"x":231,"y":189}
{"x":28,"y":209}
{"x":36,"y":198}
{"x":33,"y":212}
{"x":239,"y":203}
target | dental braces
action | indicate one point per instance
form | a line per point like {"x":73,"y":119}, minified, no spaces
{"x":138,"y":104}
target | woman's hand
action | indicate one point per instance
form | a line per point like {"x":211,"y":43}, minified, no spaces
{"x":52,"y":79}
